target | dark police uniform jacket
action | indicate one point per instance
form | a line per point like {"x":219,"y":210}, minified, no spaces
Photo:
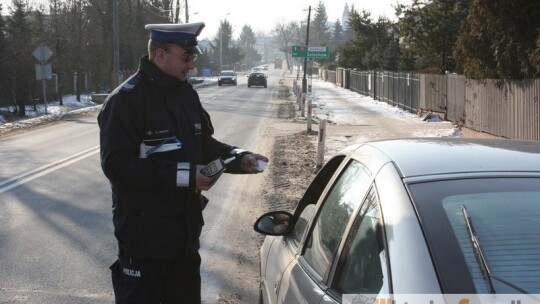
{"x":153,"y":131}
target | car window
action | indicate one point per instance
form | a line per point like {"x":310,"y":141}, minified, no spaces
{"x":300,"y":228}
{"x":503,"y":214}
{"x":334,"y":215}
{"x":319,"y":183}
{"x":363,"y":260}
{"x":496,"y":225}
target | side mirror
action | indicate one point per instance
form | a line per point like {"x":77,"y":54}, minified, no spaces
{"x":273,"y":223}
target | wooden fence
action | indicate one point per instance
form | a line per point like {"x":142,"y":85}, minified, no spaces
{"x":509,"y":109}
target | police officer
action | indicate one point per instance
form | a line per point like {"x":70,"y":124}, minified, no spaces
{"x":155,"y":138}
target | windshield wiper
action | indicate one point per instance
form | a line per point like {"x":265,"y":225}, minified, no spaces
{"x":477,"y":248}
{"x":482,"y":258}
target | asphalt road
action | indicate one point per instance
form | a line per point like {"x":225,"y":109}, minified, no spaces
{"x":56,"y":239}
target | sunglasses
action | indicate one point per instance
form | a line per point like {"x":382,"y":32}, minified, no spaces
{"x":187,"y":58}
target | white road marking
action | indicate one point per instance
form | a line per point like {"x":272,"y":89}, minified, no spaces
{"x":48,"y":168}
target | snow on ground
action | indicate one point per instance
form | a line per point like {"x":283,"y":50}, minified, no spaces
{"x":343,"y":107}
{"x":70,"y":104}
{"x":53,"y":109}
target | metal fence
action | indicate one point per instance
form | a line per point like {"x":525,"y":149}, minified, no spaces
{"x":395,"y":88}
{"x":509,"y":109}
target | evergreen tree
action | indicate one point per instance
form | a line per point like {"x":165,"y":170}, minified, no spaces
{"x":348,"y":33}
{"x":231,"y":54}
{"x":247,"y":41}
{"x":429,"y":32}
{"x":499,"y":40}
{"x":391,"y":56}
{"x":19,"y":48}
{"x":337,"y":36}
{"x":371,"y":42}
{"x":4,"y":77}
{"x":319,"y":33}
{"x":535,"y":55}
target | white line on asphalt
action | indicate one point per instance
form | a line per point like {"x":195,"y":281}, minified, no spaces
{"x":48,"y":168}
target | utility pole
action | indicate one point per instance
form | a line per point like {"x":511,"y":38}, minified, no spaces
{"x":304,"y":80}
{"x":116,"y":43}
{"x":220,"y":48}
{"x":187,"y":13}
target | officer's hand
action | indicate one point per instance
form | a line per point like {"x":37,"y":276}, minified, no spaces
{"x":249,"y":163}
{"x":202,"y":181}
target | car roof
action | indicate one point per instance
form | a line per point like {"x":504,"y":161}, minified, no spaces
{"x":432,"y":156}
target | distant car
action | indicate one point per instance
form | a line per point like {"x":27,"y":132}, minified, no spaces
{"x":257,"y":79}
{"x":265,"y":67}
{"x":410,"y":217}
{"x":227,"y":77}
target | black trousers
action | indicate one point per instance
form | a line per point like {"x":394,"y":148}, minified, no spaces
{"x":157,"y":281}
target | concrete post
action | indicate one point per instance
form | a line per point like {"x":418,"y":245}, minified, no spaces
{"x":321,"y":143}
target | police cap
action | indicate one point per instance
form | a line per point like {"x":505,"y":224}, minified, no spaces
{"x":184,"y":35}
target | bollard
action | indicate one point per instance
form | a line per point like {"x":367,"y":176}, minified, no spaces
{"x":303,"y":105}
{"x":309,"y":111}
{"x":320,"y":144}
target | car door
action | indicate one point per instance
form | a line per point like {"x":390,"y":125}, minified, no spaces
{"x":307,"y":277}
{"x":278,"y":252}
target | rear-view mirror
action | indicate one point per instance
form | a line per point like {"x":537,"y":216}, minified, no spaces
{"x":273,"y":223}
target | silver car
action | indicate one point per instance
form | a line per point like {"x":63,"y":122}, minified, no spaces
{"x":409,"y":216}
{"x":227,"y":77}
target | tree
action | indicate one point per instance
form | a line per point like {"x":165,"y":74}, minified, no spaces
{"x":391,"y":56}
{"x":284,"y":35}
{"x":247,"y":41}
{"x":499,"y":40}
{"x":371,"y":43}
{"x":79,"y":33}
{"x":338,"y":37}
{"x":429,"y":30}
{"x":319,"y":32}
{"x":225,"y":47}
{"x":4,"y":79}
{"x":19,"y":47}
{"x":535,"y":56}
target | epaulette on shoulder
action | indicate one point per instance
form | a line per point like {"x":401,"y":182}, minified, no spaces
{"x":131,"y":83}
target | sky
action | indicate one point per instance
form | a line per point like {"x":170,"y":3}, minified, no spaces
{"x":262,"y":16}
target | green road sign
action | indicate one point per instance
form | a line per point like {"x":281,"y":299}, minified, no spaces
{"x":311,"y":51}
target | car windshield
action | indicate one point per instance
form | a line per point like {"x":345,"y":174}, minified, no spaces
{"x":486,"y":229}
{"x":256,"y":75}
{"x":227,"y":73}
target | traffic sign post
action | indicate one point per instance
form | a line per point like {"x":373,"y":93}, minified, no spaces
{"x":311,"y":51}
{"x":42,"y":53}
{"x":43,"y":69}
